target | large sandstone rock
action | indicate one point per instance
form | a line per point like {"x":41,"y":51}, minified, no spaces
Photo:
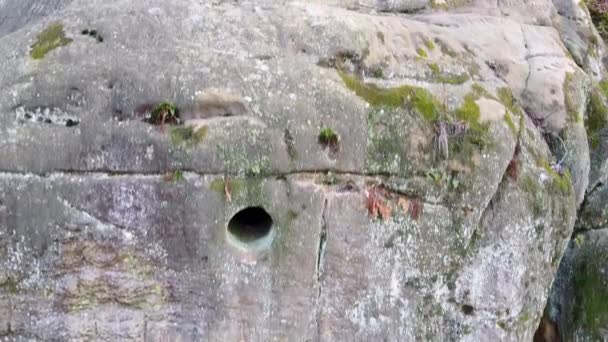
{"x":440,"y":213}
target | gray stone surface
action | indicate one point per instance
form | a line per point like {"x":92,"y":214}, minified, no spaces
{"x":112,"y":228}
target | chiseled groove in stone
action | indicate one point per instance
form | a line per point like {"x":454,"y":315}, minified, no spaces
{"x":320,"y":263}
{"x":109,"y":174}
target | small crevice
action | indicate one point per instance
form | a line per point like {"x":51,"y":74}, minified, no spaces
{"x":523,"y":34}
{"x":320,"y":265}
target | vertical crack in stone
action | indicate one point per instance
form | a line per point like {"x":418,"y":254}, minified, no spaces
{"x":320,"y":270}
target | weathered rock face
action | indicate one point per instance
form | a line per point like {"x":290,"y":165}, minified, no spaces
{"x":579,"y":296}
{"x":341,"y":170}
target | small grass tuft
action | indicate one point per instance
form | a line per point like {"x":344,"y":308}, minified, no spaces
{"x":328,"y":137}
{"x":164,"y":113}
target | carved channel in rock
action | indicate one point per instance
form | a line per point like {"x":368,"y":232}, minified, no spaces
{"x":251,"y":230}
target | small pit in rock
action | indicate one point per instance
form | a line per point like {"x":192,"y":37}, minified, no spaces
{"x":467,"y":309}
{"x":251,"y":229}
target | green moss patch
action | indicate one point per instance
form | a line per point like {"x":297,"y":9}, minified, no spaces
{"x":570,"y":102}
{"x":11,"y":285}
{"x":476,"y":136}
{"x":387,"y":139}
{"x":505,"y":96}
{"x":418,"y":99}
{"x":533,"y":192}
{"x":429,"y":44}
{"x":591,"y":291}
{"x":188,"y":136}
{"x":49,"y":39}
{"x":510,"y":123}
{"x":561,"y":183}
{"x":597,"y":118}
{"x":448,"y":78}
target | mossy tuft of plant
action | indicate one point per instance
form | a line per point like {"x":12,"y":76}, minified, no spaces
{"x":49,"y":39}
{"x":164,"y":113}
{"x":328,"y":137}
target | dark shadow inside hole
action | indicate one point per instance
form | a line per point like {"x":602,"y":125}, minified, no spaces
{"x":250,"y":224}
{"x":468,"y":309}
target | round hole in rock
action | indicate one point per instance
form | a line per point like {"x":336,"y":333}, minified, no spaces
{"x":251,"y":229}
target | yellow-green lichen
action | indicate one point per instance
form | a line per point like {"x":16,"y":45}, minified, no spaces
{"x":188,"y":136}
{"x":597,"y":118}
{"x":533,"y":193}
{"x":603,"y":85}
{"x":505,"y":96}
{"x":570,"y":103}
{"x":415,"y":98}
{"x":11,"y":285}
{"x":435,"y":68}
{"x":469,"y":112}
{"x":246,"y":191}
{"x":421,"y":52}
{"x":445,"y":49}
{"x":235,"y":186}
{"x":447,"y":78}
{"x":579,"y":239}
{"x":49,"y":39}
{"x":454,"y":78}
{"x":429,"y":44}
{"x":476,"y":136}
{"x":478,"y":92}
{"x":510,"y":123}
{"x":247,"y":156}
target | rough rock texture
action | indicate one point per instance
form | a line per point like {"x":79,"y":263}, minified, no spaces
{"x":439,"y":209}
{"x":579,"y":297}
